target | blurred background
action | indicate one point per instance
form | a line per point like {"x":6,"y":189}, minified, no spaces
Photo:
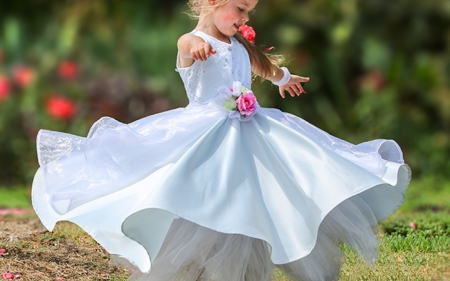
{"x":378,"y":69}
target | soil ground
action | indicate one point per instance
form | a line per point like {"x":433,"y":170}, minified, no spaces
{"x":37,"y":254}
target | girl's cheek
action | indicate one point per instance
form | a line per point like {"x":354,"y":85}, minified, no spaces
{"x":228,"y":17}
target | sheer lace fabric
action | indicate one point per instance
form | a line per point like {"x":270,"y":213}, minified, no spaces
{"x":191,"y":194}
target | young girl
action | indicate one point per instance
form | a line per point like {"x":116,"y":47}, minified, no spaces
{"x":222,"y":189}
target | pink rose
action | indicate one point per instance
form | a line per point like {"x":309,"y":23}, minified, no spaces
{"x":246,"y":104}
{"x":248,"y":33}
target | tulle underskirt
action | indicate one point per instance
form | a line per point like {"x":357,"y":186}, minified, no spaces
{"x":192,"y":252}
{"x":191,"y":194}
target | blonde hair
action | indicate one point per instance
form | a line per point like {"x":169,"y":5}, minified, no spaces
{"x":264,"y":65}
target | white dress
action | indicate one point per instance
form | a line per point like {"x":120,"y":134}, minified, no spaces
{"x":193,"y":194}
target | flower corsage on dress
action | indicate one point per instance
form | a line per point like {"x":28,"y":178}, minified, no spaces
{"x":239,"y":101}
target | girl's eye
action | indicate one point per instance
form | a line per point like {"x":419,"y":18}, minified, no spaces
{"x":240,"y":9}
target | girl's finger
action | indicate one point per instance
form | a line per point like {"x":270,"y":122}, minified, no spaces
{"x":304,"y":79}
{"x":297,"y":90}
{"x":207,"y":50}
{"x":282,"y":92}
{"x":302,"y":90}
{"x":290,"y":92}
{"x":203,"y":55}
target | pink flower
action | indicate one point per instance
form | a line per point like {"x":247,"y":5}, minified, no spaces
{"x":2,"y":252}
{"x":68,"y":69}
{"x":7,"y":275}
{"x":61,"y":108}
{"x":60,"y":278}
{"x":18,"y":276}
{"x":248,"y":33}
{"x":246,"y":103}
{"x":23,"y":76}
{"x":5,"y":88}
{"x":413,"y":225}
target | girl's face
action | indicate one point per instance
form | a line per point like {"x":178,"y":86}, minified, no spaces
{"x":231,"y":15}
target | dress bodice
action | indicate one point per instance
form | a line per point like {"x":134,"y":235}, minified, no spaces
{"x":230,"y":63}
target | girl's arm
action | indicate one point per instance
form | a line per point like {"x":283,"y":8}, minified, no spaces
{"x":193,"y":48}
{"x":293,"y":84}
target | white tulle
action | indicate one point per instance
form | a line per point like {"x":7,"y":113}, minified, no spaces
{"x":192,"y":194}
{"x":192,"y":252}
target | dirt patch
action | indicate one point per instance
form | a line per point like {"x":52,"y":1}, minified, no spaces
{"x":67,"y":252}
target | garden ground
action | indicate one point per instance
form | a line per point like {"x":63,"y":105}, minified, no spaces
{"x":415,"y":243}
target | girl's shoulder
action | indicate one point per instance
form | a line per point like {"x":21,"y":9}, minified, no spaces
{"x":211,"y":39}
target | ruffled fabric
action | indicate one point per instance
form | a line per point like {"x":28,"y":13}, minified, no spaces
{"x":191,"y":252}
{"x":269,"y":183}
{"x":192,"y":194}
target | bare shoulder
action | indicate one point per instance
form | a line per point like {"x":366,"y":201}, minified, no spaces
{"x":185,"y":44}
{"x":187,"y":41}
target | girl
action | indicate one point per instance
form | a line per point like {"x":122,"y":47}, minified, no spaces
{"x":222,"y":189}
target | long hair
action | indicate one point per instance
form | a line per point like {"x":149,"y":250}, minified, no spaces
{"x":264,"y":65}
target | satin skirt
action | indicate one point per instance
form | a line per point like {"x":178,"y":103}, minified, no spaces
{"x":192,"y":194}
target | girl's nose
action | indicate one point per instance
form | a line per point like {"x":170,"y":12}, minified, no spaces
{"x":246,"y":18}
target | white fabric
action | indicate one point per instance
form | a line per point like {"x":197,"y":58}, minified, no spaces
{"x":275,"y":190}
{"x":285,"y":79}
{"x":230,"y":63}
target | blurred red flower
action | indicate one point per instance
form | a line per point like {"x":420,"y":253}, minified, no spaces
{"x":61,"y":108}
{"x":68,"y":69}
{"x":5,"y":88}
{"x":23,"y":76}
{"x":248,"y":33}
{"x":375,"y":80}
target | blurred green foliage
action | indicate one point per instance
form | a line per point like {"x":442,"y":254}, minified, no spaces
{"x":378,"y":69}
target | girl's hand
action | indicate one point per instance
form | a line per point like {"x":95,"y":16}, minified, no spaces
{"x":294,"y":86}
{"x":193,"y":48}
{"x":202,"y":51}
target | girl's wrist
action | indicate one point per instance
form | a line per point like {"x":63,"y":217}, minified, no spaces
{"x":286,"y":77}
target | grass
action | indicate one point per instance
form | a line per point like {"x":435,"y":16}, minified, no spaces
{"x":14,"y":197}
{"x":406,"y":253}
{"x":418,"y":251}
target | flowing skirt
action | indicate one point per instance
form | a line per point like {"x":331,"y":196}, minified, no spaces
{"x":191,"y":194}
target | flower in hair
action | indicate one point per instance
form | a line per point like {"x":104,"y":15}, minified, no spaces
{"x":248,"y":33}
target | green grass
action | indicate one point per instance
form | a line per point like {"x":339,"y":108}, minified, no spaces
{"x":14,"y":198}
{"x":427,"y":193}
{"x":405,"y":253}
